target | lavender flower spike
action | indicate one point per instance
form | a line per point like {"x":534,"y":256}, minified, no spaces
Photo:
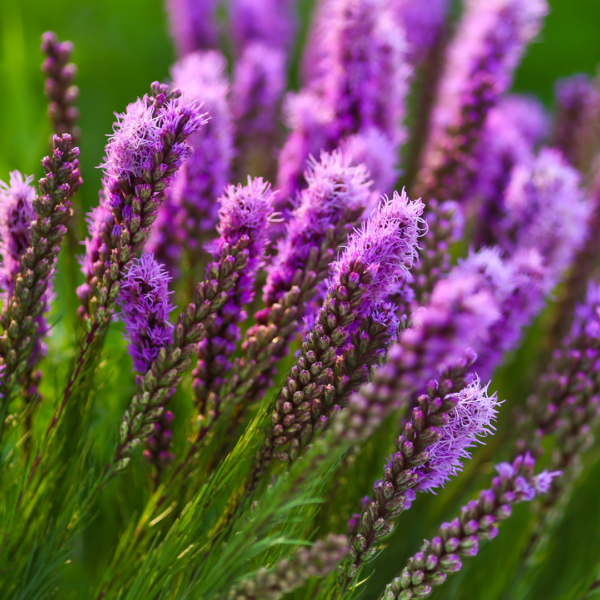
{"x":244,"y":215}
{"x":478,"y":521}
{"x":211,"y":297}
{"x":59,"y":86}
{"x":288,"y":575}
{"x":16,"y":215}
{"x":145,"y":308}
{"x":37,"y":263}
{"x":189,"y":216}
{"x":374,"y":265}
{"x":481,"y":61}
{"x":333,"y":203}
{"x":192,"y":24}
{"x":144,"y":152}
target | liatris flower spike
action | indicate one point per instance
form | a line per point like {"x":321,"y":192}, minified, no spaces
{"x":478,"y":521}
{"x":59,"y":85}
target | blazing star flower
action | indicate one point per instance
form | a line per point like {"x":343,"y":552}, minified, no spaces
{"x":469,"y":420}
{"x":145,"y":308}
{"x":478,"y":521}
{"x":336,"y":196}
{"x":481,"y":61}
{"x":16,"y":215}
{"x":512,"y":130}
{"x":192,"y":24}
{"x":145,"y":151}
{"x":189,"y":215}
{"x":546,"y":210}
{"x":243,"y":218}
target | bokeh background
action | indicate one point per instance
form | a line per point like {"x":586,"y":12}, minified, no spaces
{"x":123,"y":45}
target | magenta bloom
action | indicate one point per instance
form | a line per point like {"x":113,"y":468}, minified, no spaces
{"x":546,"y":210}
{"x":387,"y":244}
{"x":192,"y":24}
{"x":481,"y":60}
{"x":16,"y":214}
{"x":512,"y":131}
{"x":145,"y":308}
{"x":336,"y":195}
{"x":189,"y":215}
{"x":469,"y":421}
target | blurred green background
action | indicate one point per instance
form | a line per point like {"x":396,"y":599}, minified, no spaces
{"x":123,"y":45}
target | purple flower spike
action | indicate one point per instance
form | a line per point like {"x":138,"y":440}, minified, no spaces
{"x":469,"y":420}
{"x":192,"y":24}
{"x":360,"y":90}
{"x":422,"y":22}
{"x":481,"y":61}
{"x":243,"y":217}
{"x":145,"y":309}
{"x":272,"y":22}
{"x":16,"y":215}
{"x":373,"y":266}
{"x":546,"y":210}
{"x":512,"y":130}
{"x":336,"y":196}
{"x":144,"y":152}
{"x":189,"y":216}
{"x":478,"y":521}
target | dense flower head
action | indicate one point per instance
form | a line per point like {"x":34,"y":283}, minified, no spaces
{"x":526,"y":489}
{"x":192,"y":24}
{"x":139,"y":132}
{"x":422,"y":22}
{"x":145,"y":307}
{"x":547,"y":211}
{"x":387,"y":243}
{"x":337,"y":194}
{"x":469,"y":421}
{"x":16,"y":214}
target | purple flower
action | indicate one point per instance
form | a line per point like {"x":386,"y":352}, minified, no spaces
{"x":336,"y":196}
{"x":362,"y":85}
{"x":546,"y":211}
{"x":145,"y":308}
{"x":387,"y":245}
{"x":16,"y":215}
{"x":478,"y":521}
{"x":243,"y":218}
{"x":189,"y":215}
{"x":469,"y":420}
{"x":144,"y":152}
{"x":481,"y":60}
{"x":192,"y":24}
{"x":422,"y":23}
{"x":512,"y":130}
